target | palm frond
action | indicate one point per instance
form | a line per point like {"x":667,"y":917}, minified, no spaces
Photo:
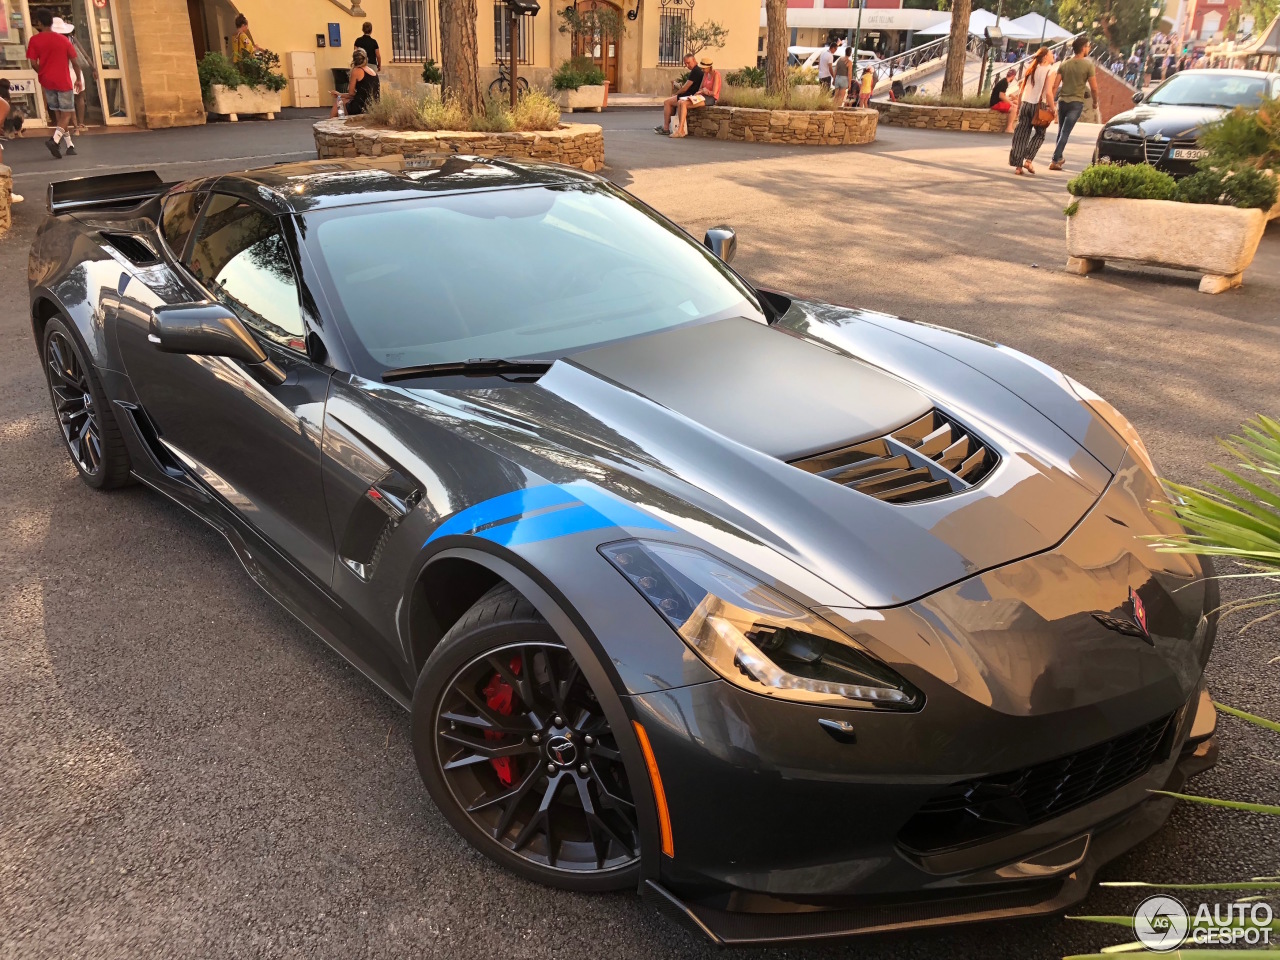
{"x":1258,"y":721}
{"x":1266,"y":808}
{"x":1238,"y":521}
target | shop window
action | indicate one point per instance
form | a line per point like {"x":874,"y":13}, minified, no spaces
{"x":502,"y":35}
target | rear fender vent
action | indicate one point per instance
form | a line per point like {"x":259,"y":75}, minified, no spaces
{"x":928,"y":458}
{"x":133,"y":248}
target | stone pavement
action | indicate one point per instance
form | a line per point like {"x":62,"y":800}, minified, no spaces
{"x":186,"y":772}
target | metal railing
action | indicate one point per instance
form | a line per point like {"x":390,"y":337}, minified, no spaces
{"x":1020,"y":66}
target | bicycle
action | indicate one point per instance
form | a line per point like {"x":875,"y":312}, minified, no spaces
{"x":502,"y":86}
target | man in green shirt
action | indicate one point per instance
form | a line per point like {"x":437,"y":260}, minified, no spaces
{"x":1075,"y":81}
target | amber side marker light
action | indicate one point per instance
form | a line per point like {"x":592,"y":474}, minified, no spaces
{"x":659,"y":795}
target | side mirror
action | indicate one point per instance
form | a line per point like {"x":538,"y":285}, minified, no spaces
{"x":1137,"y":97}
{"x":210,"y":330}
{"x":722,"y":241}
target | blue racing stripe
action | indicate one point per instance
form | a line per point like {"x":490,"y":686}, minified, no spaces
{"x":506,"y":518}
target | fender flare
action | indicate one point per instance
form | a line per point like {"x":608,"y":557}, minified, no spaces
{"x":586,"y":650}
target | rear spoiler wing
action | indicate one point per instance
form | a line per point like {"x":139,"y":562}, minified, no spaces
{"x":111,"y":190}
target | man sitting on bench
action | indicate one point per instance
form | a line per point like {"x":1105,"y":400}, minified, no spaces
{"x":706,"y":96}
{"x":690,"y":88}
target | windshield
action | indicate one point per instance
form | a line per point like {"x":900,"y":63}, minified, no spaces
{"x":1209,"y":90}
{"x":534,"y":272}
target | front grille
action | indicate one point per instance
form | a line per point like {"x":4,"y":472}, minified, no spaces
{"x":930,"y":457}
{"x":980,"y":809}
{"x":1154,"y":151}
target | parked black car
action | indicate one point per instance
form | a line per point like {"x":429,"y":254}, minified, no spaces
{"x":803,"y":620}
{"x":1164,"y":127}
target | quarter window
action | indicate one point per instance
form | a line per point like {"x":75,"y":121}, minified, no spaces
{"x":241,"y":257}
{"x":178,"y":219}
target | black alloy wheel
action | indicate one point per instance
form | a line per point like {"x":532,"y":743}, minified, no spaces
{"x":519,"y":755}
{"x":84,"y":416}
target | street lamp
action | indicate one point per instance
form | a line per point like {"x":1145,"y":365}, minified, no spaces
{"x":857,"y":35}
{"x":1146,"y":50}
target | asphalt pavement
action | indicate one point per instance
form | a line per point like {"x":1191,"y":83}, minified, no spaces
{"x":187,"y":772}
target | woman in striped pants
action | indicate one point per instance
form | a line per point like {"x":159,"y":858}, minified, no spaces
{"x":1026,"y":136}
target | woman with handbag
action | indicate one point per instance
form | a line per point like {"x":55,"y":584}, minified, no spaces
{"x":1035,"y":112}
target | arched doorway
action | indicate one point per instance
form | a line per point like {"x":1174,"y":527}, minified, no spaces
{"x":600,"y":41}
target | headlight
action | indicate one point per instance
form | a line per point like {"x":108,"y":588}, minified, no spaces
{"x":1114,"y":135}
{"x":1116,"y":421}
{"x":752,"y":635}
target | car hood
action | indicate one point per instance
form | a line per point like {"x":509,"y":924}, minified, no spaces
{"x":1170,"y":122}
{"x":696,"y":426}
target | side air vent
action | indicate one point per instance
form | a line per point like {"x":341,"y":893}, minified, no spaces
{"x":928,"y":458}
{"x":135,"y":249}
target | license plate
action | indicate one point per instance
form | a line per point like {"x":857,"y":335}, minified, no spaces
{"x":1189,"y":153}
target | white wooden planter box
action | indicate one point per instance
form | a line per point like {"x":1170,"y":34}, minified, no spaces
{"x":584,"y":98}
{"x":1215,"y":241}
{"x":236,"y":100}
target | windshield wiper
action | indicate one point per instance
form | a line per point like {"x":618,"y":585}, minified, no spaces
{"x":466,"y":368}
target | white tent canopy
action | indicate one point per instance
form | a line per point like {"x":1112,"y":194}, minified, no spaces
{"x":979,"y":20}
{"x":1035,"y":24}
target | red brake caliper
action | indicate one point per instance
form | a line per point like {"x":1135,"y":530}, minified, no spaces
{"x":500,"y":698}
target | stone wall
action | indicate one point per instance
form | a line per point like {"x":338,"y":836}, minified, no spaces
{"x":899,"y":114}
{"x":162,"y":58}
{"x":819,"y":128}
{"x":577,"y":144}
{"x":6,"y":199}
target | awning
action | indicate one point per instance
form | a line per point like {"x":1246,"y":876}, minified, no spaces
{"x":1267,"y":42}
{"x":979,"y":20}
{"x":844,"y":19}
{"x":1034,"y":24}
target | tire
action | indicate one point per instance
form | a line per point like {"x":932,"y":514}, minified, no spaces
{"x":505,"y":727}
{"x":88,"y":424}
{"x":498,"y":87}
{"x":522,"y":86}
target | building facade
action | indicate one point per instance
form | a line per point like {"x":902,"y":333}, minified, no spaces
{"x":141,"y":55}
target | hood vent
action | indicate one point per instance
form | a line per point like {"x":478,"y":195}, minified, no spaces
{"x":930,"y":457}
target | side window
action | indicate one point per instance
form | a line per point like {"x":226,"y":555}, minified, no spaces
{"x":241,"y":257}
{"x":178,"y":219}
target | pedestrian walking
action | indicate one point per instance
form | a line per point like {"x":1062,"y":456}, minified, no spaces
{"x":52,"y":56}
{"x":5,"y":107}
{"x":369,"y":45}
{"x":825,"y":59}
{"x":79,"y":64}
{"x":1035,"y":112}
{"x":1074,"y":83}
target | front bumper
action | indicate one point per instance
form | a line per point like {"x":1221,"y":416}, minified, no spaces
{"x":1038,"y":882}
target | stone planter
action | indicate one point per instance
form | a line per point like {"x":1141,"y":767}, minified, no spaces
{"x":816,"y":128}
{"x":1215,"y":241}
{"x":895,"y":113}
{"x":587,"y":97}
{"x":577,"y":144}
{"x":233,"y":101}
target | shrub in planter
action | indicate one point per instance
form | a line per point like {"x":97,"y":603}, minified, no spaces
{"x":577,"y":72}
{"x":1247,"y":188}
{"x":431,"y":73}
{"x":216,"y":69}
{"x":1131,"y":213}
{"x":258,"y":70}
{"x":1136,"y":181}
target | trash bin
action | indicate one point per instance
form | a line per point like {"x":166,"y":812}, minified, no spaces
{"x":341,"y":78}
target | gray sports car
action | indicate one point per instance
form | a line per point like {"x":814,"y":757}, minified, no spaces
{"x":802,"y":620}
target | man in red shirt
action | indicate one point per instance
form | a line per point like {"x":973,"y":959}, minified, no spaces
{"x":52,"y":56}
